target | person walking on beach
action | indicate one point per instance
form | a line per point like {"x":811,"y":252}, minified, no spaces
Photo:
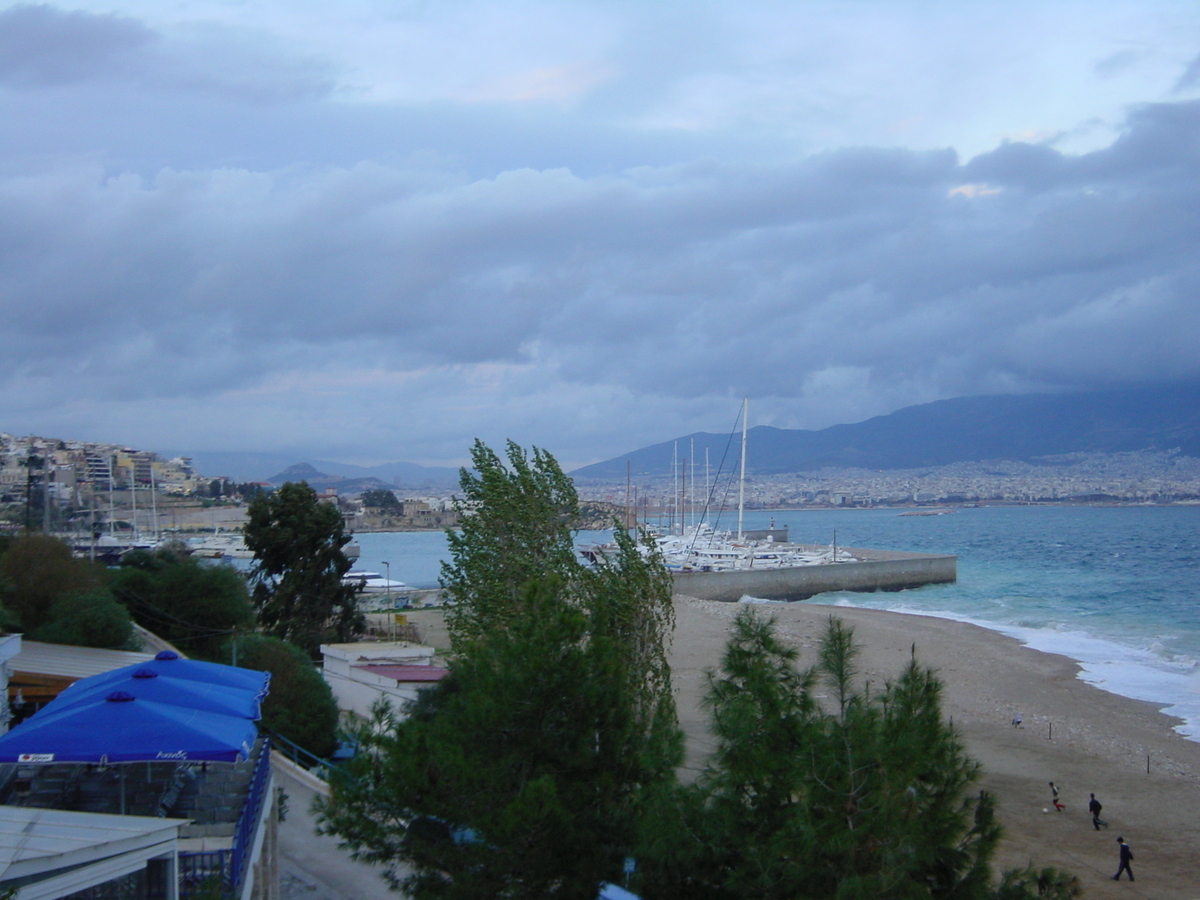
{"x":1054,"y":797}
{"x":1094,"y":808}
{"x":1126,"y":859}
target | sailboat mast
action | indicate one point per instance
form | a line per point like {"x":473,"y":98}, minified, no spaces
{"x":112,"y":505}
{"x":691,"y":495}
{"x":742,"y":478}
{"x":133,"y":497}
{"x":674,"y":482}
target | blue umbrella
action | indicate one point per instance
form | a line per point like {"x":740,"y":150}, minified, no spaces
{"x":122,"y":728}
{"x":171,"y":665}
{"x":146,"y":684}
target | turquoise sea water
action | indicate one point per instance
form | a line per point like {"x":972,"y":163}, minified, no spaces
{"x":1115,"y":588}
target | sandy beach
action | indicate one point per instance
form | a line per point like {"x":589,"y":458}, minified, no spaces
{"x":1081,"y":738}
{"x":1076,"y":735}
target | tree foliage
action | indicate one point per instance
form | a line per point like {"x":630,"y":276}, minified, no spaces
{"x":524,"y":773}
{"x":517,"y":776}
{"x":36,"y":571}
{"x":300,"y":705}
{"x":380,"y":498}
{"x":191,"y":603}
{"x":90,"y":619}
{"x":518,"y":517}
{"x":54,"y":597}
{"x":297,"y":544}
{"x":515,"y":527}
{"x":864,"y":795}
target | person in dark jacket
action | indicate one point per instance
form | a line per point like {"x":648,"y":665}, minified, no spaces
{"x":1094,"y":808}
{"x":1126,"y":859}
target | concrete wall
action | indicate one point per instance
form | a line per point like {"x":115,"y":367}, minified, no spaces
{"x":880,"y":570}
{"x":359,"y":692}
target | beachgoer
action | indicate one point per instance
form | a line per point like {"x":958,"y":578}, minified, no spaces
{"x":983,"y":809}
{"x":1126,"y":859}
{"x":1016,"y":723}
{"x":1094,"y":808}
{"x":1054,"y":797}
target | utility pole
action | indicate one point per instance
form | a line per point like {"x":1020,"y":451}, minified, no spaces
{"x":31,"y":460}
{"x":154,"y":502}
{"x":628,"y":479}
{"x":29,"y":489}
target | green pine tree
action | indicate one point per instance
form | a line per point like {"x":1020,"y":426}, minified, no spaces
{"x":820,"y":787}
{"x":515,"y":527}
{"x":525,"y":772}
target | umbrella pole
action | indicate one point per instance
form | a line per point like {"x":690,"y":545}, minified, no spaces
{"x":121,"y":769}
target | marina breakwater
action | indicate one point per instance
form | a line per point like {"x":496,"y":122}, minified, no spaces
{"x":875,"y":570}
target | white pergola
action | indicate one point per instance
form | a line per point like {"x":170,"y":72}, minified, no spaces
{"x":49,"y":853}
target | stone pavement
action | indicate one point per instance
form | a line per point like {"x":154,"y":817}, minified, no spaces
{"x":311,"y":866}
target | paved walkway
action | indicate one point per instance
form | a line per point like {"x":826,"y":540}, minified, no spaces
{"x":311,"y":867}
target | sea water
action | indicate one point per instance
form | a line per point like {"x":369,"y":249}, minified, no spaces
{"x":1115,"y":588}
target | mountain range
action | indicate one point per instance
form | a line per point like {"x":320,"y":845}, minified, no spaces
{"x":263,"y":466}
{"x":964,"y":429}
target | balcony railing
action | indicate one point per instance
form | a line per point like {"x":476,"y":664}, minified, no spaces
{"x":222,"y":873}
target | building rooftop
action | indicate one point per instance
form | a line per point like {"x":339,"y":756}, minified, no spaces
{"x":62,"y":661}
{"x":406,"y":673}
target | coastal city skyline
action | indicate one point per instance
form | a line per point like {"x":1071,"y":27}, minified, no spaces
{"x":78,"y":475}
{"x":374,"y":234}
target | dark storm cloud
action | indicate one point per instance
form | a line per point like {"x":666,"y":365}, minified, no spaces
{"x":1023,"y":268}
{"x":44,"y":45}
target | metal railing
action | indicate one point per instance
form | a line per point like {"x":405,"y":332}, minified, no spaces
{"x":216,"y":874}
{"x":205,"y":876}
{"x":311,"y":763}
{"x":247,"y":823}
{"x":297,"y":754}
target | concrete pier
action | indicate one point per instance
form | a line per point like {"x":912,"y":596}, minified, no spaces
{"x":879,"y":570}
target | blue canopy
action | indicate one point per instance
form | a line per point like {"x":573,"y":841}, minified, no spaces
{"x":119,"y":727}
{"x":170,"y":665}
{"x":146,"y":684}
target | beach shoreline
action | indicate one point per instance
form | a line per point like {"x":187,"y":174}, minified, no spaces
{"x":1075,"y":734}
{"x":1079,"y":736}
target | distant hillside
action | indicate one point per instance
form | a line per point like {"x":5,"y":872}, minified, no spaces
{"x":302,"y":472}
{"x":260,"y":466}
{"x":320,"y":481}
{"x":965,"y":429}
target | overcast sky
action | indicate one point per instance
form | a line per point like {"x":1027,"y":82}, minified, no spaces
{"x":373,"y":231}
